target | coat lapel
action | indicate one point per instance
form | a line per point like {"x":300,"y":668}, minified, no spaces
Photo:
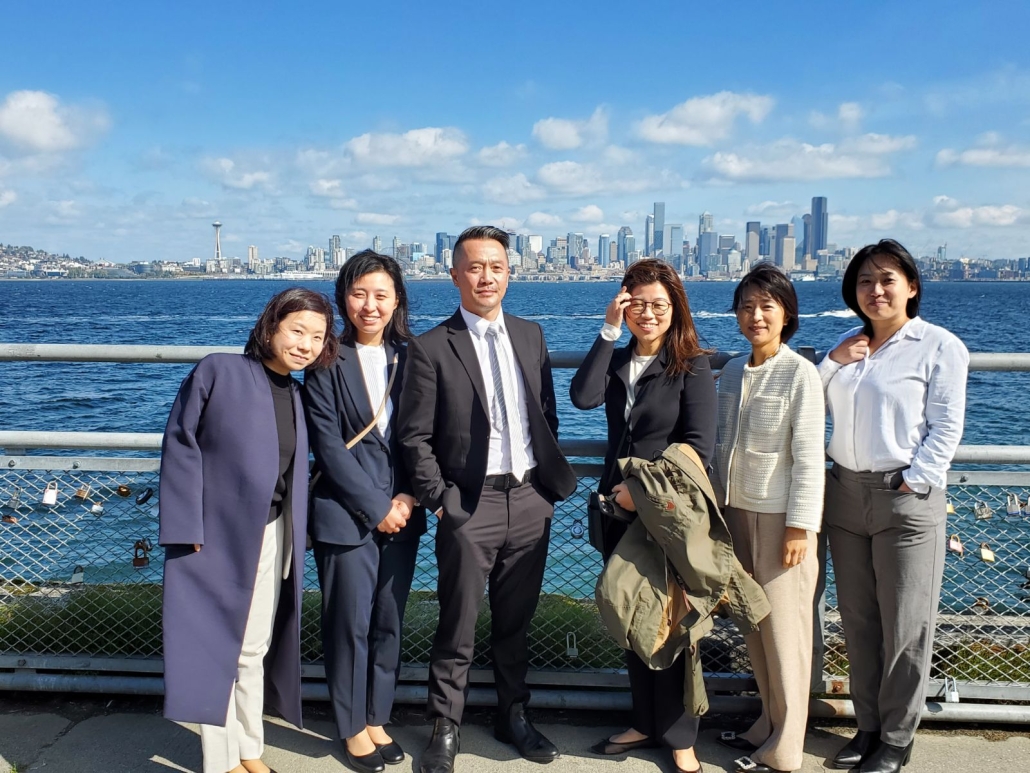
{"x":523,"y":348}
{"x":354,"y":383}
{"x":461,"y":342}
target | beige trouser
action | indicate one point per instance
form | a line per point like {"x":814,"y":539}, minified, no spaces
{"x":781,"y":649}
{"x":243,"y":737}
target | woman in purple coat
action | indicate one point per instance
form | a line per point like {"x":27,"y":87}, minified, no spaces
{"x":234,"y":472}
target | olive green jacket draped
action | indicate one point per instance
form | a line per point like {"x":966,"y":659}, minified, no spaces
{"x":674,"y":566}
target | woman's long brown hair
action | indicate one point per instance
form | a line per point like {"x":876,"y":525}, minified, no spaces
{"x":681,"y":342}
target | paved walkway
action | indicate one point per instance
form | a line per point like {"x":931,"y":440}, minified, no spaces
{"x":91,"y":738}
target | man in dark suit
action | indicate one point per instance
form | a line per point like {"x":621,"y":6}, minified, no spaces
{"x":478,"y":431}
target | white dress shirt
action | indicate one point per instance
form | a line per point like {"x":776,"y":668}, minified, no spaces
{"x":499,"y":460}
{"x":902,"y":406}
{"x":376,"y":372}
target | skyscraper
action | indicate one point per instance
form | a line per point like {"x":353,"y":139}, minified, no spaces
{"x":443,"y":242}
{"x":752,"y":241}
{"x":704,"y":224}
{"x":674,"y":245}
{"x":575,"y":244}
{"x":336,"y":257}
{"x":657,"y":244}
{"x":820,"y":225}
{"x":377,"y":245}
{"x":806,"y":243}
{"x":218,"y":240}
{"x":783,"y":249}
{"x":649,"y":235}
{"x":624,"y":233}
{"x":604,"y":242}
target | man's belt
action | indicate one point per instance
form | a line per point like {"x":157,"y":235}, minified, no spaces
{"x":506,"y":481}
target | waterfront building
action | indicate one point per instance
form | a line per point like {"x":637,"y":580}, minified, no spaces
{"x":820,"y":225}
{"x":624,"y":234}
{"x":752,"y":237}
{"x":536,"y":243}
{"x":574,"y":248}
{"x":443,"y":242}
{"x":377,"y":245}
{"x":252,"y":258}
{"x":674,"y":244}
{"x":657,"y":245}
{"x":604,"y":243}
{"x":649,"y":235}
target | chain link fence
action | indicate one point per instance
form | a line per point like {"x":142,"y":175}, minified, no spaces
{"x":80,"y":575}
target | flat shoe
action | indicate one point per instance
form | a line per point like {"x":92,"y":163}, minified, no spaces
{"x":608,"y":747}
{"x":392,"y":753}
{"x":699,"y":769}
{"x":748,"y":765}
{"x":733,"y":741}
{"x":365,"y":763}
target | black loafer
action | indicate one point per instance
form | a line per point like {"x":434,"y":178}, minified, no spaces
{"x":365,"y":763}
{"x":608,"y":747}
{"x":748,"y":765}
{"x":516,"y":729}
{"x":392,"y":753}
{"x":857,"y":749}
{"x":731,"y":740}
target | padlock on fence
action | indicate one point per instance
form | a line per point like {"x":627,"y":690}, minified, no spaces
{"x":140,"y":557}
{"x":982,"y":511}
{"x":955,"y":545}
{"x":1012,"y":504}
{"x":950,"y":690}
{"x":50,"y":494}
{"x":577,"y":528}
{"x":97,"y":508}
{"x":123,"y":490}
{"x":986,"y":554}
{"x":83,"y":491}
{"x":14,"y":500}
{"x":571,"y":650}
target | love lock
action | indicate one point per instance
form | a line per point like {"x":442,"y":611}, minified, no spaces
{"x":986,"y":554}
{"x":577,"y":528}
{"x":982,"y":511}
{"x":15,"y":499}
{"x":950,"y":690}
{"x":82,"y":492}
{"x":955,"y":545}
{"x":144,"y":496}
{"x":123,"y":490}
{"x":571,"y":650}
{"x":50,"y":494}
{"x":1012,"y":504}
{"x":140,"y":559}
{"x":97,"y":508}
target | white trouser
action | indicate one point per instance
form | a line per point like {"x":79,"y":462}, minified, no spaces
{"x":243,"y":737}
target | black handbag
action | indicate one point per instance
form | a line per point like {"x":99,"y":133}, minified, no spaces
{"x":598,"y":508}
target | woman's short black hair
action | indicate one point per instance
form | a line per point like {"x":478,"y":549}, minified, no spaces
{"x":767,"y":279}
{"x":398,"y":329}
{"x":885,"y":251}
{"x":282,"y":305}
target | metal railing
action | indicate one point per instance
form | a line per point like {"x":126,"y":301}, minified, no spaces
{"x":76,"y":614}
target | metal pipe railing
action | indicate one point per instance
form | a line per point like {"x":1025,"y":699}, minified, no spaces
{"x":978,"y":361}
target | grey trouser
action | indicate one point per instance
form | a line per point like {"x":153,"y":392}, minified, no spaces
{"x":888,"y":559}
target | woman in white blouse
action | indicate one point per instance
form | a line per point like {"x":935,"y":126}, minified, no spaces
{"x":364,"y":523}
{"x":896,"y":391}
{"x":770,"y":474}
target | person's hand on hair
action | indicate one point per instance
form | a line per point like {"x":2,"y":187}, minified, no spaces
{"x":616,"y":310}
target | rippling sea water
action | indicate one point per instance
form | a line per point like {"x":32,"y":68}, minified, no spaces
{"x":989,"y":317}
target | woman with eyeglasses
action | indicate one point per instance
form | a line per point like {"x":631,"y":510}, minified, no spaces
{"x":657,"y":390}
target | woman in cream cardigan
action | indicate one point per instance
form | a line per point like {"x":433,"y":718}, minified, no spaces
{"x":771,"y":472}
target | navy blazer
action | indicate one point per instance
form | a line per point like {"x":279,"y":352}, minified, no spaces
{"x":353,"y":493}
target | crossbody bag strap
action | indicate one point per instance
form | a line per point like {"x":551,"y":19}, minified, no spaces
{"x":375,"y":419}
{"x":618,"y":451}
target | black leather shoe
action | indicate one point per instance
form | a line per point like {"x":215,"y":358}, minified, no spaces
{"x":731,"y":740}
{"x":366,"y":763}
{"x":607,"y":746}
{"x":392,"y":753}
{"x":886,"y":758}
{"x":856,"y":750}
{"x":443,"y":748}
{"x":748,"y":765}
{"x":516,"y":729}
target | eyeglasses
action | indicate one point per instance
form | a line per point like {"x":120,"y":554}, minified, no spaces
{"x":660,"y":307}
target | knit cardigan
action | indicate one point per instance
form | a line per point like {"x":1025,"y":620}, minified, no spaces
{"x":770,"y":454}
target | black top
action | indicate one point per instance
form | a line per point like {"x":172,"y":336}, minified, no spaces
{"x":282,"y":399}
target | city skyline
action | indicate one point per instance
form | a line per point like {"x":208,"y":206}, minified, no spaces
{"x":119,"y":144}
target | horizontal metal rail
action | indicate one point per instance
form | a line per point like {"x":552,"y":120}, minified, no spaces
{"x":978,"y":361}
{"x":151,"y":441}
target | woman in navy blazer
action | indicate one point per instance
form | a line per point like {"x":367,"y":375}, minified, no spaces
{"x":365,"y":524}
{"x":657,"y":390}
{"x":234,"y":491}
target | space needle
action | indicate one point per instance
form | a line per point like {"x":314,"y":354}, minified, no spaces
{"x":218,"y":240}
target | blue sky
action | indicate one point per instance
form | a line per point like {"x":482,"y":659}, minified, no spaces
{"x":127,"y":128}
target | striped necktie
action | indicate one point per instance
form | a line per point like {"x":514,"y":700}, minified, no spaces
{"x":506,"y":399}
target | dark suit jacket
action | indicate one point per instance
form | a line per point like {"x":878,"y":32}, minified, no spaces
{"x":354,"y":490}
{"x":444,"y":425}
{"x":666,"y":410}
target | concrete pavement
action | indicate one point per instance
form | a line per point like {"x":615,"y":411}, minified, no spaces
{"x":87,"y":736}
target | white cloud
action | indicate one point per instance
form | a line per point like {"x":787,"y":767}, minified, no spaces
{"x":343,"y":203}
{"x":845,"y":223}
{"x":950,"y":213}
{"x":36,"y":121}
{"x":332,"y":189}
{"x":618,"y":156}
{"x":848,"y":118}
{"x":516,"y":189}
{"x":989,"y":151}
{"x":415,"y":148}
{"x":704,"y":120}
{"x":7,"y":197}
{"x":771,"y":208}
{"x":576,"y":179}
{"x":227,"y":172}
{"x":543,"y":220}
{"x":789,"y":160}
{"x":892,"y":220}
{"x":375,"y":218}
{"x":501,"y":154}
{"x":566,"y":134}
{"x":591,"y":213}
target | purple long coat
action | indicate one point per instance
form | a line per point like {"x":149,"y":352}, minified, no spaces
{"x":219,"y":465}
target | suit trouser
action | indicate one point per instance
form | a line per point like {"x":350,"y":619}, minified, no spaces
{"x":243,"y":737}
{"x":781,"y":649}
{"x":658,"y":710}
{"x":364,"y":591}
{"x":888,"y":560}
{"x":504,"y":541}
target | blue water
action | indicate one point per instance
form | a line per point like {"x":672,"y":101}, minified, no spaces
{"x":136,"y":398}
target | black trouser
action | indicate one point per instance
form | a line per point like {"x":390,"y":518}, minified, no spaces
{"x":658,"y":710}
{"x":504,"y":541}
